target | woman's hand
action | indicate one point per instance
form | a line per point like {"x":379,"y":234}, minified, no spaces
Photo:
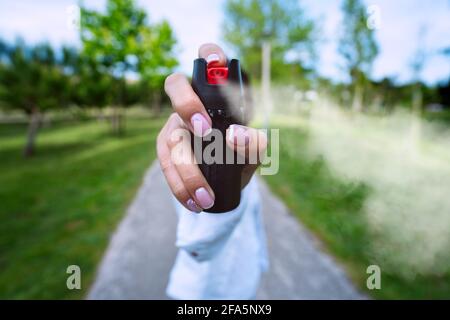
{"x":184,"y":177}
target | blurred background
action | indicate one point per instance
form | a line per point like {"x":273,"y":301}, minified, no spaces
{"x":359,"y":90}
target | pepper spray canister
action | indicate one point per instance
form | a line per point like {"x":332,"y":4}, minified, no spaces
{"x":221,"y":90}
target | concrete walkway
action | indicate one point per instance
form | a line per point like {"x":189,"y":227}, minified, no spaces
{"x":141,"y":252}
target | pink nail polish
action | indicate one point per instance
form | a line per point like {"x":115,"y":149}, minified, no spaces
{"x":238,"y":135}
{"x":204,"y":199}
{"x":193,"y":206}
{"x":200,"y":125}
{"x":213,"y":57}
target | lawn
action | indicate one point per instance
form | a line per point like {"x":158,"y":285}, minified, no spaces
{"x":60,"y":207}
{"x":333,"y":209}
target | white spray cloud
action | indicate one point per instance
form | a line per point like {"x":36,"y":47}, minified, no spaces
{"x":408,"y":210}
{"x":406,"y":163}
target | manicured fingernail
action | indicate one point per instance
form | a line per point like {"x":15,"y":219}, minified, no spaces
{"x":204,"y":199}
{"x":238,"y":135}
{"x":193,"y":206}
{"x":213,"y":57}
{"x":200,"y":124}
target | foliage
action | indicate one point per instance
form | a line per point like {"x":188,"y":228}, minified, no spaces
{"x":123,"y":43}
{"x":357,"y":46}
{"x":33,"y":77}
{"x":444,"y":93}
{"x":90,"y":86}
{"x":292,"y":36}
{"x":157,"y":57}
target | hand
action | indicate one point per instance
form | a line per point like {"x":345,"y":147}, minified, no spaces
{"x":185,"y":179}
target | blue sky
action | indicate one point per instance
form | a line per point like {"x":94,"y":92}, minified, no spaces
{"x":198,"y":21}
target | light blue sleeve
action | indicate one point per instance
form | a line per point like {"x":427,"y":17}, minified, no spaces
{"x":203,"y":235}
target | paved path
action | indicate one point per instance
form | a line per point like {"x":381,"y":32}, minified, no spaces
{"x":141,"y":252}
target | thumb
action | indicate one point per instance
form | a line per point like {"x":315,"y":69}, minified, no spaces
{"x":248,"y":142}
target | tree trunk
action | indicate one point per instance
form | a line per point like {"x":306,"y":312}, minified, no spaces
{"x":417,"y":100}
{"x":117,"y":121}
{"x":156,"y":103}
{"x":357,"y":98}
{"x":416,"y":124}
{"x":33,"y":127}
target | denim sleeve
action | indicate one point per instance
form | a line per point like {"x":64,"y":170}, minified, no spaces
{"x":203,"y":235}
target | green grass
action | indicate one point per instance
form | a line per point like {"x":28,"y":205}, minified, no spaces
{"x":60,"y":207}
{"x":333,"y":210}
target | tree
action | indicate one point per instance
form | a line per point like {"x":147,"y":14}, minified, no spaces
{"x":417,"y":64}
{"x":122,"y":42}
{"x":157,"y":62}
{"x":34,"y":80}
{"x":90,"y":86}
{"x":249,"y":23}
{"x":444,"y":88}
{"x":357,"y":46}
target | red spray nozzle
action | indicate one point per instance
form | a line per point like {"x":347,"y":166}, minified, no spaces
{"x":217,"y":75}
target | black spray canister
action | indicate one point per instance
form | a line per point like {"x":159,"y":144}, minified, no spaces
{"x":221,"y":91}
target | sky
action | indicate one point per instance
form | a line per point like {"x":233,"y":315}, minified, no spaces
{"x":199,"y":21}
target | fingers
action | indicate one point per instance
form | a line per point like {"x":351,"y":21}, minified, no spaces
{"x":187,"y":104}
{"x":248,"y":142}
{"x":183,"y":176}
{"x":179,"y":143}
{"x":183,"y":98}
{"x":173,"y":179}
{"x":213,"y":54}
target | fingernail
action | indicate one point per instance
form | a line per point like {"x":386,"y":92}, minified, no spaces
{"x":213,"y":57}
{"x":193,"y":206}
{"x":200,"y":124}
{"x":238,"y":135}
{"x":204,"y":199}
